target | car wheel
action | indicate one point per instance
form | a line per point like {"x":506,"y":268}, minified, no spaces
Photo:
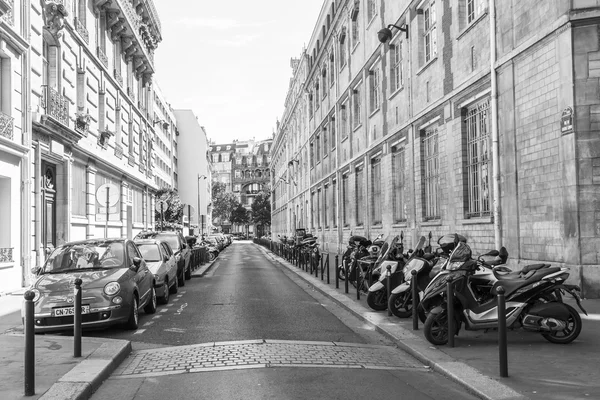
{"x":175,"y":286}
{"x":188,"y":273}
{"x":151,"y":306}
{"x":165,"y":298}
{"x":133,"y":321}
{"x":211,"y":256}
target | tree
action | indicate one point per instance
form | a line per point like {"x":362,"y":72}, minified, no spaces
{"x":172,"y":213}
{"x":223,"y":202}
{"x":239,"y":215}
{"x":261,"y":209}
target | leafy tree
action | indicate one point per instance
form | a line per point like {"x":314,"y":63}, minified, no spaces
{"x":223,"y":202}
{"x":261,"y":209}
{"x":240,"y":215}
{"x":174,"y":210}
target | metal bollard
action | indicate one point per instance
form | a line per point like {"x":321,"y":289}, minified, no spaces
{"x":389,"y":287}
{"x":317,"y":266}
{"x":450,"y":311}
{"x":358,"y":277}
{"x":327,"y":263}
{"x":415,"y":299}
{"x":29,"y":344}
{"x":337,"y":275}
{"x":77,"y":319}
{"x":502,"y":341}
{"x":347,"y":278}
{"x":322,"y":266}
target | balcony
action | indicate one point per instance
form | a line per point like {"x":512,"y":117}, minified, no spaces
{"x":118,"y":77}
{"x":6,"y":126}
{"x":81,"y":30}
{"x":6,"y":254}
{"x":102,"y":56}
{"x":6,"y":7}
{"x":56,"y":105}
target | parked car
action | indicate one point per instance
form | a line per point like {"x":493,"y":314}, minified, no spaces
{"x":219,"y":240}
{"x":180,"y":248}
{"x":161,"y":261}
{"x":116,"y":284}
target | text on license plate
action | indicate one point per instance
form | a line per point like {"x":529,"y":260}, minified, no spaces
{"x":60,"y":312}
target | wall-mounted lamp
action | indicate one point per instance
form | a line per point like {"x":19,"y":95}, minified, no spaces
{"x":201,"y":176}
{"x":386,"y":33}
{"x":291,"y":163}
{"x":165,"y":124}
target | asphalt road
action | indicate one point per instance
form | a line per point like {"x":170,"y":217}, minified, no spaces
{"x":249,"y":329}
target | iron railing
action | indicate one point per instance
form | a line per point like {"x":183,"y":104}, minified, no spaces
{"x":6,"y":254}
{"x":102,"y":56}
{"x":82,"y":30}
{"x":56,"y":105}
{"x":6,"y":126}
{"x":9,"y":17}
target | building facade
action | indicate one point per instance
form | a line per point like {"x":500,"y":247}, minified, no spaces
{"x":192,"y":158}
{"x":244,"y":167}
{"x":473,"y":117}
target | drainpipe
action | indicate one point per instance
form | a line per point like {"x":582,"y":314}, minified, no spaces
{"x":495,"y":149}
{"x":38,"y":204}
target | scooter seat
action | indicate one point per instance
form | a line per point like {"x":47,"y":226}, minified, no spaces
{"x":512,"y":285}
{"x":533,"y":267}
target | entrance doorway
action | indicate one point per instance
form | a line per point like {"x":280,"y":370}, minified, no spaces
{"x":48,"y":207}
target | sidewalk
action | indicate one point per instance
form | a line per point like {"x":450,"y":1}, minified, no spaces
{"x":537,"y":369}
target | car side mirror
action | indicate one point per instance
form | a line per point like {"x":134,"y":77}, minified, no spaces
{"x":35,"y":270}
{"x":137,"y":262}
{"x":165,"y":258}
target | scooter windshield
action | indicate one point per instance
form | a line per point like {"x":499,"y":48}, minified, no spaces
{"x":390,"y":243}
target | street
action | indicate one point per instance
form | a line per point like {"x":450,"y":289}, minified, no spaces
{"x":248,"y":330}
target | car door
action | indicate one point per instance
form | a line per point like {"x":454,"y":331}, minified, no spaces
{"x":171,"y":266}
{"x":186,"y":251}
{"x":143,"y":278}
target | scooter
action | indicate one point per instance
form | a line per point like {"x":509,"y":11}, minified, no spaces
{"x":391,"y":255}
{"x":531,"y":302}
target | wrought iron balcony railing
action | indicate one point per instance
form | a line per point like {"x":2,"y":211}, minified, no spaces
{"x":81,"y":29}
{"x":118,"y":77}
{"x":6,"y":254}
{"x":9,"y":17}
{"x":102,"y":56}
{"x":6,"y":126}
{"x":56,"y":105}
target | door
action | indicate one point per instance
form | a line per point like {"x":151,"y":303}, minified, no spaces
{"x":48,"y":207}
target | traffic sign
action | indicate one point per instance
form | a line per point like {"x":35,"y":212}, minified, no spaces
{"x":113,"y":194}
{"x":159,"y":204}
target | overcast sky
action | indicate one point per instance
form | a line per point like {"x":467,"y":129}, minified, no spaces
{"x":229,"y":61}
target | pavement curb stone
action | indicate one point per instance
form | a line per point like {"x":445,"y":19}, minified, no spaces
{"x":87,"y":376}
{"x":474,"y":381}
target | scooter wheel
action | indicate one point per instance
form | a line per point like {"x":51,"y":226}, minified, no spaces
{"x":377,"y":300}
{"x":401,"y":304}
{"x":341,"y":273}
{"x":436,"y":328}
{"x":570,"y":333}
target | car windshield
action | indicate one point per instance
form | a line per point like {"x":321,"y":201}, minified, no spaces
{"x":171,"y":239}
{"x":85,"y":256}
{"x":150,"y":251}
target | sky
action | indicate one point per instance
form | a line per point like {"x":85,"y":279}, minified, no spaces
{"x":229,"y":61}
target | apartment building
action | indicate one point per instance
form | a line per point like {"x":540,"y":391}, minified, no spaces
{"x":473,"y":116}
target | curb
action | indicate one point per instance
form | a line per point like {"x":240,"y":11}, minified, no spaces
{"x":87,"y":376}
{"x":470,"y":378}
{"x":202,"y":270}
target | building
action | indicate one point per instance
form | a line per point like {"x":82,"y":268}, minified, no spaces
{"x":192,"y":158}
{"x":164,"y":142}
{"x":470,"y":118}
{"x":244,"y":168}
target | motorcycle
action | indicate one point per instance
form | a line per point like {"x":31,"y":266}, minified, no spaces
{"x":391,"y":254}
{"x":357,"y":248}
{"x":531,"y":301}
{"x":362,"y":263}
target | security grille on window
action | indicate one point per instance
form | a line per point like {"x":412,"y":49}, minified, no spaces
{"x":430,"y":31}
{"x":360,"y":200}
{"x":478,"y":160}
{"x":376,"y":191}
{"x":431,"y":176}
{"x":399,"y":185}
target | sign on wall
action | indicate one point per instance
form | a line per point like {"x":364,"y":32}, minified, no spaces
{"x":566,"y":121}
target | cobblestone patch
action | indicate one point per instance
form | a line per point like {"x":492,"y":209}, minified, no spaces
{"x":261,"y":354}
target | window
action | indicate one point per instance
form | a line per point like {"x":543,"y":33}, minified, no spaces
{"x":478,"y":160}
{"x":326,"y":206}
{"x":333,"y":136}
{"x":360,"y":201}
{"x":238,"y":173}
{"x":312,"y":154}
{"x":79,"y":200}
{"x":331,"y":68}
{"x":355,"y":32}
{"x":371,"y":9}
{"x":376,"y":213}
{"x":342,"y":47}
{"x":312,"y":206}
{"x":374,"y":89}
{"x":431,"y":176}
{"x":319,"y":211}
{"x":325,"y":148}
{"x":324,"y":80}
{"x":398,"y":184}
{"x":397,"y":70}
{"x":138,"y":206}
{"x":317,"y":96}
{"x":238,"y":161}
{"x":318,"y":148}
{"x":356,"y":117}
{"x":345,"y":201}
{"x":430,"y":31}
{"x":344,"y":121}
{"x":237,"y":187}
{"x":310,"y":105}
{"x":334,"y":203}
{"x":473,"y":9}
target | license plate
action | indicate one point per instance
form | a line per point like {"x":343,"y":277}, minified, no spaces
{"x":66,"y":311}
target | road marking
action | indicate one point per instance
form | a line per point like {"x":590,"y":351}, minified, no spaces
{"x":176,"y":299}
{"x":164,"y":310}
{"x":156,"y":316}
{"x":176,"y":330}
{"x":139,"y":331}
{"x":180,"y":310}
{"x":148,"y":323}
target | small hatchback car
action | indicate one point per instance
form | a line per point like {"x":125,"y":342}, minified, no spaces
{"x":160,"y":259}
{"x":116,"y":284}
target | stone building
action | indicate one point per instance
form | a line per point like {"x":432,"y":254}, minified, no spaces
{"x":475,"y":116}
{"x":244,"y":168}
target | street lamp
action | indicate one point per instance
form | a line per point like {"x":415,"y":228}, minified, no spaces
{"x":386,"y":33}
{"x":200,"y":227}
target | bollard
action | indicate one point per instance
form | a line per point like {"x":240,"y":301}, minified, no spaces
{"x":415,"y":299}
{"x":322,"y":266}
{"x":389,"y":287}
{"x":337,"y":274}
{"x":358,"y":277}
{"x":317,"y":266}
{"x":450,"y":311}
{"x":77,"y":319}
{"x":327,"y":263}
{"x":29,"y":344}
{"x":347,"y":278}
{"x":502,"y":342}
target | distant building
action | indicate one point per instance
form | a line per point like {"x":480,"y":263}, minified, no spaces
{"x":244,"y":167}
